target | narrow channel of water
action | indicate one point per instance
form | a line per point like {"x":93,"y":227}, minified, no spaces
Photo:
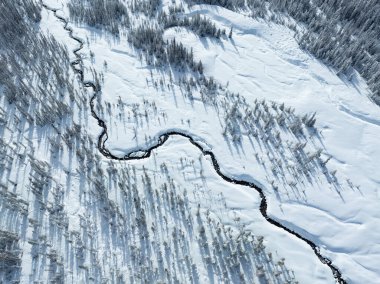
{"x":145,"y":153}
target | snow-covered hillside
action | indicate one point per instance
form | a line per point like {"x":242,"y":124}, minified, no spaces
{"x":270,"y":113}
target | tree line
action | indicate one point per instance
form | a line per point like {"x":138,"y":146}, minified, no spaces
{"x":341,"y":33}
{"x":100,"y":13}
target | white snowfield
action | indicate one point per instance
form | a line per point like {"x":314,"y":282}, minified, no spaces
{"x":261,"y":61}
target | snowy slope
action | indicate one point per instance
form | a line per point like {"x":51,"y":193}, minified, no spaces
{"x":264,"y":61}
{"x":261,"y":61}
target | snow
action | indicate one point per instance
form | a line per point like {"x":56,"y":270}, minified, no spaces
{"x":265,"y":62}
{"x":261,"y":61}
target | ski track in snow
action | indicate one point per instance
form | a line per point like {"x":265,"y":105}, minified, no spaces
{"x":145,"y":153}
{"x":359,"y":116}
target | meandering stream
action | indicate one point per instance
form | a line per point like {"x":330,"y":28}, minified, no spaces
{"x":145,"y":153}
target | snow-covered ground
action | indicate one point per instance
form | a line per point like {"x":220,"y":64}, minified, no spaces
{"x":265,"y":62}
{"x":261,"y":61}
